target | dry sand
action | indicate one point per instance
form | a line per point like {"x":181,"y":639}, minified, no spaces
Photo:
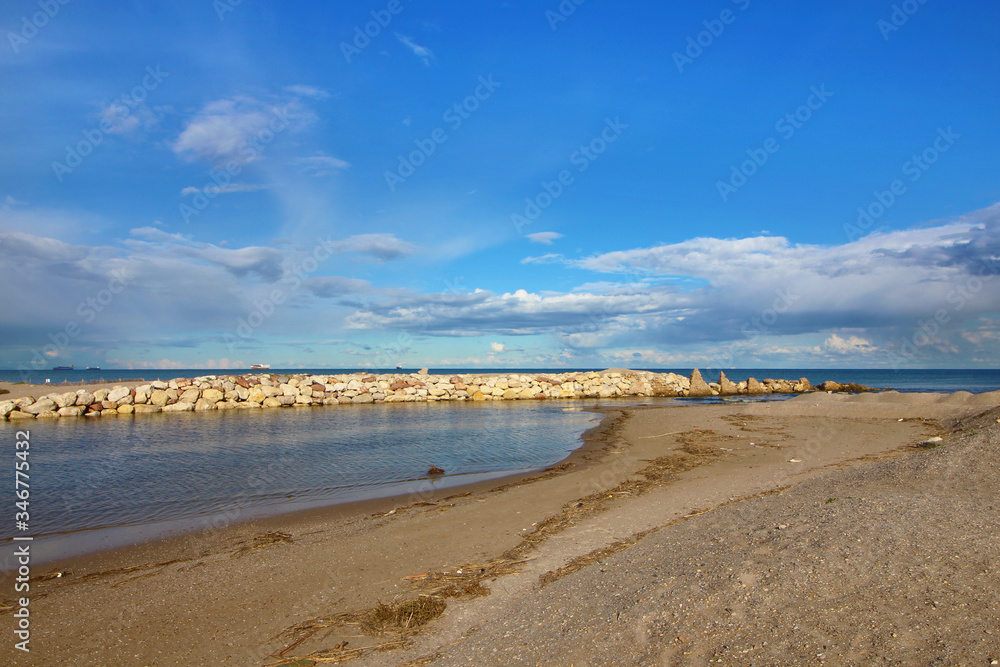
{"x":772,"y":534}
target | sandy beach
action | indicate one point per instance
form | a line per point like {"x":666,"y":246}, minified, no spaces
{"x":817,"y":530}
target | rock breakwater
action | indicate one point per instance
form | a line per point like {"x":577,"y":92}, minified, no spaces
{"x":241,"y":392}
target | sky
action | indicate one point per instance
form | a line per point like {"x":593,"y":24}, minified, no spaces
{"x":546,"y":184}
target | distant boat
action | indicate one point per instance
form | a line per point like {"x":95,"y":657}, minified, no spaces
{"x":399,"y":368}
{"x":62,"y":368}
{"x":93,"y":368}
{"x":260,"y":367}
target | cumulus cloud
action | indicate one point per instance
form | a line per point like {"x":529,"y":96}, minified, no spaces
{"x":513,"y":313}
{"x":497,"y":347}
{"x":929,"y":294}
{"x":852,"y":345}
{"x":712,"y":291}
{"x":238,"y":128}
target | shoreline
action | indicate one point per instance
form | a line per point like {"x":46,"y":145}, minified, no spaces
{"x":263,"y":391}
{"x":637,"y":474}
{"x":271,"y":518}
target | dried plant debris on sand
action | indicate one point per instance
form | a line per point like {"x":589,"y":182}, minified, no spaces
{"x":469,"y":580}
{"x":394,"y":623}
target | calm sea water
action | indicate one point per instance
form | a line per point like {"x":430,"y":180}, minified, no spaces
{"x":145,"y":476}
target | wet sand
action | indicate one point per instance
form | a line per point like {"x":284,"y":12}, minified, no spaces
{"x":303,"y":585}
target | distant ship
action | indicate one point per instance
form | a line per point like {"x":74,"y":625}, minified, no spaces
{"x":260,"y":367}
{"x":62,"y":368}
{"x":399,"y":368}
{"x":93,"y":368}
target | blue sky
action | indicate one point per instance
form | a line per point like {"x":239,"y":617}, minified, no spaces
{"x":499,"y":184}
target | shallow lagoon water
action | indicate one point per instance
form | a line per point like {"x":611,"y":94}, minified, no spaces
{"x":134,"y":477}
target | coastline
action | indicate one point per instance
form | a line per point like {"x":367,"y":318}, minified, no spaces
{"x":103,"y":545}
{"x":644,"y":469}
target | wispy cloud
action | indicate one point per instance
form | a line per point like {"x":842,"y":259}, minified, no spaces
{"x":545,"y":238}
{"x":176,"y":286}
{"x":224,"y":189}
{"x":549,"y":258}
{"x":308,"y":91}
{"x":384,"y":247}
{"x":425,"y":54}
{"x":320,"y":164}
{"x":119,"y":118}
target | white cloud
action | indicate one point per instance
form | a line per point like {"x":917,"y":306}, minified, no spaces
{"x":224,"y":189}
{"x":852,"y":345}
{"x":933,"y":289}
{"x":544,"y":237}
{"x":422,"y":52}
{"x":550,"y":258}
{"x":381,"y":246}
{"x":238,"y":129}
{"x":863,"y":297}
{"x":123,"y":119}
{"x":497,"y":347}
{"x":308,"y":91}
{"x":321,"y":165}
{"x":175,"y":287}
{"x":329,"y":287}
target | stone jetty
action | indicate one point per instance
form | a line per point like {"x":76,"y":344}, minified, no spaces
{"x":242,"y":392}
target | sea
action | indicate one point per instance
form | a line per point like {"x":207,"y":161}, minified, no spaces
{"x":103,"y":483}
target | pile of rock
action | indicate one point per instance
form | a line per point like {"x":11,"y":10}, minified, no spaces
{"x":274,"y":391}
